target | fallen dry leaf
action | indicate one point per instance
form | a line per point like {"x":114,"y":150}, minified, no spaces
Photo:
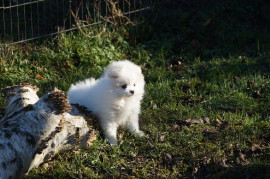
{"x":80,"y":176}
{"x":207,"y":22}
{"x":161,"y":138}
{"x":242,"y":156}
{"x":218,"y":122}
{"x":139,"y":159}
{"x":222,"y":125}
{"x":170,"y":66}
{"x":255,"y":148}
{"x":175,"y":126}
{"x":194,"y":121}
{"x":123,"y":175}
{"x":121,"y":134}
{"x":223,"y":163}
{"x":206,"y":119}
{"x":167,"y":158}
{"x":206,"y":160}
{"x":39,"y":77}
{"x":195,"y":170}
{"x":68,"y":64}
{"x":198,"y":85}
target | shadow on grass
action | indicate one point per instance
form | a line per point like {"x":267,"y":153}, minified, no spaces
{"x":234,"y":68}
{"x":250,"y":171}
{"x":209,"y":29}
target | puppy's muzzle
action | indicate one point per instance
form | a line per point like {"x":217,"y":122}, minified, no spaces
{"x":131,"y":92}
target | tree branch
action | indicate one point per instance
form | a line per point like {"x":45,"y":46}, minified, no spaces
{"x":33,"y":130}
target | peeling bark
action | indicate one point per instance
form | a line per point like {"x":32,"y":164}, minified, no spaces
{"x":33,"y":130}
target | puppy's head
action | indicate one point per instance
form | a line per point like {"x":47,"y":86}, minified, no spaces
{"x":127,"y":78}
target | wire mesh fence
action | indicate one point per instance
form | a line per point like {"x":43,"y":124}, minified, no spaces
{"x":25,"y":20}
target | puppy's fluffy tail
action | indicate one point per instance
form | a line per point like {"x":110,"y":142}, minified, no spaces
{"x":83,"y":84}
{"x":78,"y":92}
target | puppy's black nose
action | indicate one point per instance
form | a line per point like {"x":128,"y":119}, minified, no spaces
{"x":131,"y":91}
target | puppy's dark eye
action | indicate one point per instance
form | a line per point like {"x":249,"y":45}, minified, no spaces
{"x":124,"y":86}
{"x":134,"y":84}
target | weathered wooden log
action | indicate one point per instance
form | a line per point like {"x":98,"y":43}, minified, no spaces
{"x":33,"y":130}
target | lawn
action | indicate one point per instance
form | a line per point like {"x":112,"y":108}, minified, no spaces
{"x":206,"y":111}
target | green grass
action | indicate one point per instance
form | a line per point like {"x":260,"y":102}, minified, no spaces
{"x":224,"y":74}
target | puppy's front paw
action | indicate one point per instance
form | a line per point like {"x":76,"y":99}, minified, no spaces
{"x":139,"y":133}
{"x":112,"y":141}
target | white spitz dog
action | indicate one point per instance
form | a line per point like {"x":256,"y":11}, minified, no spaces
{"x":114,"y":98}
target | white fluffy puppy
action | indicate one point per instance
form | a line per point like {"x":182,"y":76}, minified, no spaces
{"x":115,"y":97}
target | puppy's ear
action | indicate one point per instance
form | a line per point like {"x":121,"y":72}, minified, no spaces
{"x":113,"y":74}
{"x":138,"y":69}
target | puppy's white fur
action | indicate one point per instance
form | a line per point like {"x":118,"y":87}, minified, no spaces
{"x":115,"y":97}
